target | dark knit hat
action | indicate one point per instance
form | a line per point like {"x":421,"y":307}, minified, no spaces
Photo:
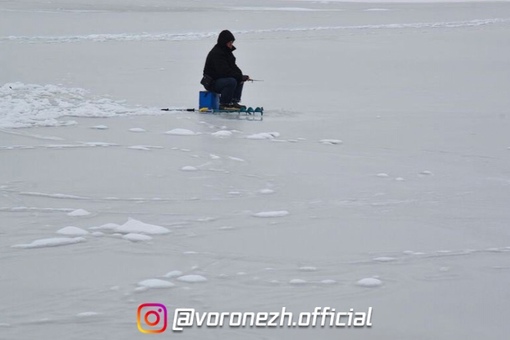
{"x":225,"y":36}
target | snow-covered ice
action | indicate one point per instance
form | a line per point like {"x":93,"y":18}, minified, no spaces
{"x":286,"y":208}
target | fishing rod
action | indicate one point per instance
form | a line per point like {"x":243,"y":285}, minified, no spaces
{"x":177,"y":109}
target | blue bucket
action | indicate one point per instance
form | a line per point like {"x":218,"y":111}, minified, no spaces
{"x":210,"y":100}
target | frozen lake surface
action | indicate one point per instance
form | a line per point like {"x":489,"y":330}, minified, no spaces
{"x":377,"y":177}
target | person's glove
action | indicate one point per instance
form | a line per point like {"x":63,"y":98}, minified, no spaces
{"x":245,"y":77}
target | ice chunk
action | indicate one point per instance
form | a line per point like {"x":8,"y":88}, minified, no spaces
{"x":137,"y":130}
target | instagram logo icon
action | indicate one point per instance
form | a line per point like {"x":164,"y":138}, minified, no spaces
{"x":151,"y":318}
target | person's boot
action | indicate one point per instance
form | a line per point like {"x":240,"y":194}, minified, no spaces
{"x":239,"y":106}
{"x":228,"y":107}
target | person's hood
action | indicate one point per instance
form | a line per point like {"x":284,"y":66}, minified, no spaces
{"x":224,"y":37}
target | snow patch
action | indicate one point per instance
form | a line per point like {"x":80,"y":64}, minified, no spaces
{"x":264,"y":135}
{"x":328,"y":282}
{"x":181,"y":132}
{"x":155,"y":283}
{"x":134,"y":237}
{"x":173,"y":273}
{"x":144,"y":147}
{"x":72,"y":231}
{"x":330,"y":141}
{"x":78,"y":213}
{"x":87,"y":314}
{"x":236,"y":159}
{"x":384,"y":259}
{"x":107,"y":226}
{"x":369,"y":282}
{"x":192,"y":278}
{"x":297,"y":282}
{"x":222,"y":134}
{"x":29,"y":105}
{"x":138,"y":227}
{"x":280,"y":213}
{"x":50,"y":242}
{"x":189,"y":168}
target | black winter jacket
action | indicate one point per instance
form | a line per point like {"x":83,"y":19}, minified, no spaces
{"x":221,"y":63}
